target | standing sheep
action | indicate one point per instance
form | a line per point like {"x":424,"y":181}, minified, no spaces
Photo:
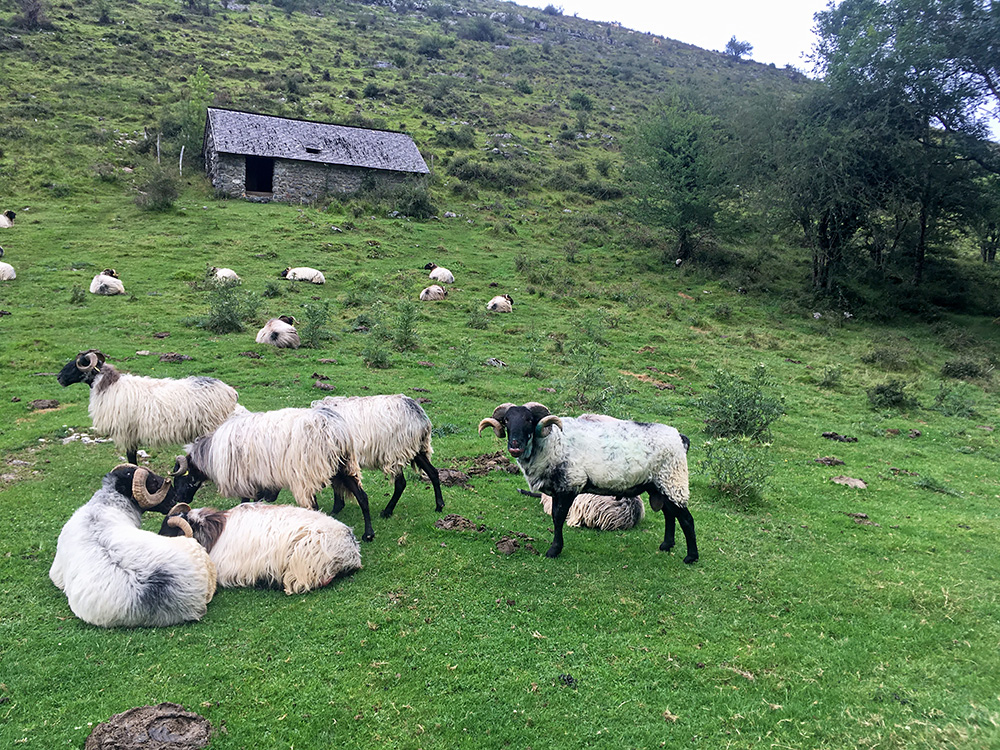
{"x":433,"y":293}
{"x":136,"y":410}
{"x":303,"y":273}
{"x":257,"y":454}
{"x":439,"y":274}
{"x":6,"y":270}
{"x":602,"y":455}
{"x":107,"y":282}
{"x":115,"y":574}
{"x":279,"y":332}
{"x":390,"y":433}
{"x":7,"y":219}
{"x":255,"y":544}
{"x":501,"y":304}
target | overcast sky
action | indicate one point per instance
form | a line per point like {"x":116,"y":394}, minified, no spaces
{"x":779,"y":30}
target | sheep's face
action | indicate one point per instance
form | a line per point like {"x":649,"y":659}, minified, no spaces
{"x":83,"y":369}
{"x":523,"y":425}
{"x":188,"y":479}
{"x":150,"y":491}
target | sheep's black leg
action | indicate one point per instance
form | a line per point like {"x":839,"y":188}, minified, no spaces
{"x":424,"y":464}
{"x":131,"y":455}
{"x":398,"y":486}
{"x":266,"y":496}
{"x":560,"y":509}
{"x":669,"y":514}
{"x":353,"y":486}
{"x":687,"y":526}
{"x":338,"y":500}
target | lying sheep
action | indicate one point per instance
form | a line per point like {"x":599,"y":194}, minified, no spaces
{"x":439,"y":274}
{"x":501,"y":304}
{"x":390,"y":433}
{"x":602,"y":455}
{"x":115,"y":574}
{"x":255,"y":544}
{"x":257,"y":454}
{"x":224,"y":275}
{"x":304,"y":274}
{"x":107,"y":282}
{"x":7,"y":219}
{"x":279,"y":332}
{"x":6,"y":270}
{"x":433,"y":293}
{"x":602,"y":512}
{"x":134,"y":410}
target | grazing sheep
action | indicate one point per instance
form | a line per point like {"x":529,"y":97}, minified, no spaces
{"x":7,"y":219}
{"x":601,"y":455}
{"x":279,"y":332}
{"x":441,"y":275}
{"x":115,"y":574}
{"x":602,"y":512}
{"x":6,"y":270}
{"x":501,"y":304}
{"x":255,"y":544}
{"x":304,"y":274}
{"x":257,"y":454}
{"x":224,"y":275}
{"x":107,"y":282}
{"x":433,"y":293}
{"x":390,"y":433}
{"x":136,"y":410}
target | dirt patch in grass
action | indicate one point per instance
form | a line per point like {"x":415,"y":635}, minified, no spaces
{"x":455,"y":522}
{"x":166,"y":726}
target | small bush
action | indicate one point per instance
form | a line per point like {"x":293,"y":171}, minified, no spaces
{"x":589,"y":387}
{"x":312,"y":329}
{"x":376,"y":355}
{"x":956,"y":402}
{"x":742,"y":407}
{"x":891,"y":395}
{"x":831,"y":378}
{"x":932,"y":484}
{"x":78,"y":296}
{"x":477,"y":317}
{"x":272,"y":289}
{"x":964,"y":368}
{"x":158,"y":190}
{"x":404,"y":335}
{"x":886,"y":358}
{"x":229,"y":309}
{"x":462,"y":367}
{"x":737,"y":468}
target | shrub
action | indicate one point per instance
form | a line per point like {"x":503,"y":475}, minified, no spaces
{"x":890,"y":395}
{"x":462,"y":366}
{"x":159,"y":189}
{"x":478,"y":30}
{"x":737,"y":468}
{"x":956,"y":402}
{"x":404,"y":334}
{"x":523,"y":86}
{"x":272,"y":289}
{"x":229,"y":308}
{"x":78,"y":296}
{"x":886,"y":358}
{"x":464,"y":137}
{"x":477,"y":317}
{"x":964,"y":368}
{"x":313,"y":331}
{"x":742,"y":407}
{"x":580,"y":101}
{"x":375,"y":355}
{"x":831,"y":378}
{"x":589,"y":387}
{"x":552,"y":10}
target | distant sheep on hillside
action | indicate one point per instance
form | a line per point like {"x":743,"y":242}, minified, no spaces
{"x":303,"y":273}
{"x":107,"y":282}
{"x":433,"y":293}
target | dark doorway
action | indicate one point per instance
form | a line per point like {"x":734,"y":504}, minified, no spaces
{"x":260,"y":174}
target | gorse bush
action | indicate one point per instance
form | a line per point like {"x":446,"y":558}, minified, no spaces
{"x":742,"y":407}
{"x":737,"y":468}
{"x":959,"y":401}
{"x":404,"y":335}
{"x":964,"y":368}
{"x":891,"y":395}
{"x":313,"y":329}
{"x":229,"y":309}
{"x":159,"y":188}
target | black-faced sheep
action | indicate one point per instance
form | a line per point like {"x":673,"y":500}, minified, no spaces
{"x":6,"y":270}
{"x":115,"y":574}
{"x":135,"y":410}
{"x":501,"y":304}
{"x":107,"y":282}
{"x":7,"y":219}
{"x":303,"y":273}
{"x":279,"y":332}
{"x":255,"y":544}
{"x":439,"y":274}
{"x":257,"y":454}
{"x":390,"y":432}
{"x":602,"y":455}
{"x":433,"y":293}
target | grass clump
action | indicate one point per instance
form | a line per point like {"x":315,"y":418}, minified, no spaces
{"x":742,"y":407}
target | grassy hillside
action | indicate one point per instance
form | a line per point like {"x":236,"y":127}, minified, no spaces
{"x":818,"y":615}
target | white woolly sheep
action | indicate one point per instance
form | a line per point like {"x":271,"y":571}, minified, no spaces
{"x":255,"y":544}
{"x":602,"y":455}
{"x":304,"y":274}
{"x":6,"y":270}
{"x":602,"y":512}
{"x":433,"y":293}
{"x":135,"y":410}
{"x":279,"y":332}
{"x":7,"y":219}
{"x":257,"y":454}
{"x":224,"y":275}
{"x":439,"y":274}
{"x":501,"y":304}
{"x":390,"y":432}
{"x":115,"y":574}
{"x":107,"y":282}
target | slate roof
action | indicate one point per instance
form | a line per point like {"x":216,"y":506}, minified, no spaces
{"x":282,"y":138}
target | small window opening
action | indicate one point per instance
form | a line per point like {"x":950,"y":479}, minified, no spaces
{"x":312,"y":150}
{"x":260,"y":174}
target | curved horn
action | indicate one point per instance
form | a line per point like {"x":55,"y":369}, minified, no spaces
{"x":545,"y":424}
{"x":179,"y":522}
{"x":142,"y":496}
{"x":88,"y":360}
{"x":179,"y":508}
{"x":497,"y":427}
{"x":539,"y":410}
{"x":182,"y":467}
{"x":501,"y":411}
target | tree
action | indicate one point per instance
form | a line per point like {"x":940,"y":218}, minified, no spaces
{"x":738,"y":49}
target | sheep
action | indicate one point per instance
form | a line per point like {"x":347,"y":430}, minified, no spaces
{"x":115,"y":574}
{"x":602,"y":455}
{"x":257,"y":454}
{"x":136,"y":410}
{"x":258,"y":544}
{"x":602,"y":512}
{"x":224,"y":275}
{"x":7,"y":219}
{"x":279,"y":332}
{"x":501,"y":304}
{"x":433,"y":293}
{"x":439,"y":274}
{"x":6,"y":270}
{"x":304,"y":274}
{"x":107,"y":282}
{"x":390,"y":432}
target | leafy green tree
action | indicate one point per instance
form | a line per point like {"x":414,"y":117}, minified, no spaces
{"x":738,"y":49}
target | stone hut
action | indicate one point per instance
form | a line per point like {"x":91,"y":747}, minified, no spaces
{"x":265,"y":158}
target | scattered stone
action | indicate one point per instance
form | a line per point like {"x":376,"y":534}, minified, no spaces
{"x":320,"y":377}
{"x":829,"y":461}
{"x":914,"y":433}
{"x":15,"y":400}
{"x":455,"y":522}
{"x":543,"y":389}
{"x":43,"y":403}
{"x":174,"y":357}
{"x":166,"y":726}
{"x":494,"y":362}
{"x":324,"y":386}
{"x":839,"y":438}
{"x":850,"y":482}
{"x":986,"y":427}
{"x":142,"y":353}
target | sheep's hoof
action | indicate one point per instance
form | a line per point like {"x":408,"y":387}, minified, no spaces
{"x":666,"y":546}
{"x":553,"y":551}
{"x":690,"y":559}
{"x":386,"y":513}
{"x":439,"y":507}
{"x":368,"y":537}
